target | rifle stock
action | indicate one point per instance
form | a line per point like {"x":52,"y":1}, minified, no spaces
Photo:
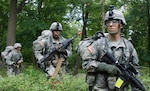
{"x":128,"y":74}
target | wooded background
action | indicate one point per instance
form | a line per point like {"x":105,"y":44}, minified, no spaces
{"x":23,"y":20}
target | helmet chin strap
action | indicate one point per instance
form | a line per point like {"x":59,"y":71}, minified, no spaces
{"x":113,"y":33}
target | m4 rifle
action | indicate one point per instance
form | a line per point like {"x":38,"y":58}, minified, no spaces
{"x":49,"y":56}
{"x":128,"y":73}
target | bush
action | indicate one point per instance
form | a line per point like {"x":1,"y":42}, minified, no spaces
{"x":34,"y":80}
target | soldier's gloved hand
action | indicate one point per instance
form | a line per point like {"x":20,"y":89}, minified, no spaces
{"x":63,"y":51}
{"x":110,"y":69}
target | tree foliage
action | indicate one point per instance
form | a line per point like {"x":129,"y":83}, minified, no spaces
{"x":137,"y":21}
{"x":37,"y":15}
{"x":4,"y":22}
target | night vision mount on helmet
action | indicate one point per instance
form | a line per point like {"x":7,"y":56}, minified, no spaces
{"x":56,"y":26}
{"x":115,"y":14}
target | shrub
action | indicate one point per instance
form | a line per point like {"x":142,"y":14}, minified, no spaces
{"x":35,"y":80}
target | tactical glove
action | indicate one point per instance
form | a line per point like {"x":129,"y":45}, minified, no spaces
{"x":110,"y":69}
{"x":63,"y":51}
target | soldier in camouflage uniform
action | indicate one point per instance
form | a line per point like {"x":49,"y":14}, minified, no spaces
{"x":14,"y":60}
{"x":114,"y":43}
{"x":44,"y":45}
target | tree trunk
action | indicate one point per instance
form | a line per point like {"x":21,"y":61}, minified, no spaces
{"x":84,"y":35}
{"x":11,"y":37}
{"x":40,"y":7}
{"x":85,"y":18}
{"x":103,"y":15}
{"x":77,"y":62}
{"x":148,"y":11}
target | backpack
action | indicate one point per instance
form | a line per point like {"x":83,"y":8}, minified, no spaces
{"x":7,"y":50}
{"x":82,"y":47}
{"x":45,"y":35}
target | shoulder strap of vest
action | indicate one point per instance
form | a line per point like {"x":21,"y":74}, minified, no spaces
{"x":128,"y":45}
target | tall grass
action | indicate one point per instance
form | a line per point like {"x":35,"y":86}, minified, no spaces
{"x":145,"y":77}
{"x":35,"y":80}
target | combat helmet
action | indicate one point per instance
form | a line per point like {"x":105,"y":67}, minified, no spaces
{"x":17,"y":45}
{"x":115,"y":14}
{"x":56,"y":26}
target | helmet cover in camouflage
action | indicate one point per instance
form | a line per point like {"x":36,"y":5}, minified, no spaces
{"x":17,"y":45}
{"x":115,"y":14}
{"x":56,"y":26}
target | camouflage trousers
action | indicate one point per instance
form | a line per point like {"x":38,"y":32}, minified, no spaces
{"x":51,"y":70}
{"x":12,"y":71}
{"x":101,"y":82}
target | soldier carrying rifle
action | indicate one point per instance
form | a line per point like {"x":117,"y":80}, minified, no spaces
{"x":102,"y":76}
{"x":43,"y":48}
{"x":13,"y":60}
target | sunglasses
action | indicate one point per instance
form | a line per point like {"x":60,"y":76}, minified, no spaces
{"x":112,"y":21}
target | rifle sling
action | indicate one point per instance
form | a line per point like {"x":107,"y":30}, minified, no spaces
{"x":58,"y":66}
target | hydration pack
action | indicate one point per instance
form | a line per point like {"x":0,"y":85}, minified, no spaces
{"x":82,"y":47}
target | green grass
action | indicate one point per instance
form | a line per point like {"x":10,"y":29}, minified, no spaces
{"x":145,"y":76}
{"x":34,"y":80}
{"x":2,"y":69}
